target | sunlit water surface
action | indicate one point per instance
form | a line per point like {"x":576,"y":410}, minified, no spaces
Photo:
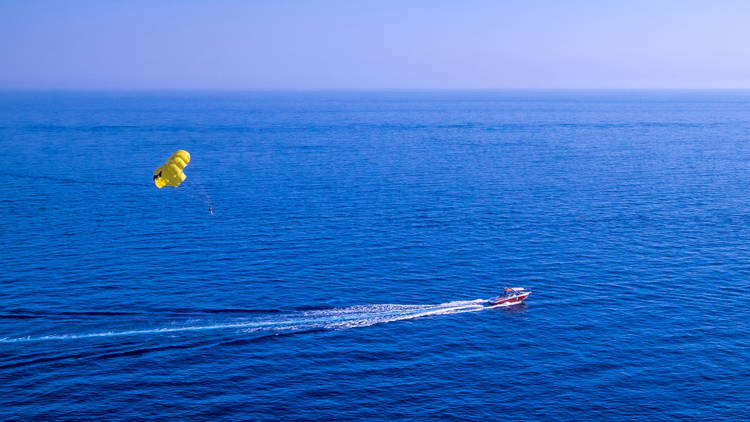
{"x":355,"y":240}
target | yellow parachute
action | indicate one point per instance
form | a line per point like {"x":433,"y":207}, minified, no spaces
{"x":170,"y":173}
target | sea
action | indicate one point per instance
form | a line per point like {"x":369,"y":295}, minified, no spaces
{"x":355,"y":240}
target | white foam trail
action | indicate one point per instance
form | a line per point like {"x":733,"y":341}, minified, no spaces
{"x":337,"y":318}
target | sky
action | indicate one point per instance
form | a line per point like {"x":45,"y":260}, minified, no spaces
{"x":374,"y":44}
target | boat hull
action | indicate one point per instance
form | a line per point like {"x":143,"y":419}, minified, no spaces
{"x":511,"y":300}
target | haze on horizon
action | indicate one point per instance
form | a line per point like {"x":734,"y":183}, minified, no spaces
{"x":333,"y":44}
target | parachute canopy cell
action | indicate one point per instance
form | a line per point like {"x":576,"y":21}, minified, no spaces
{"x":171,"y":172}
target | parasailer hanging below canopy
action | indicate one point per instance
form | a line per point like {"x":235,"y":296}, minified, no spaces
{"x":171,"y":172}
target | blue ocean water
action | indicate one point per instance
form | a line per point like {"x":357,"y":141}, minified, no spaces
{"x":356,"y":238}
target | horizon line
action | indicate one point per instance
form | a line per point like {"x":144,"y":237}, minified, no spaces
{"x":526,"y":89}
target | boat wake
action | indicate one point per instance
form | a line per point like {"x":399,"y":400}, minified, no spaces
{"x":325,"y":319}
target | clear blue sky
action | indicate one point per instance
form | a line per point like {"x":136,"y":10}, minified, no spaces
{"x":278,"y":44}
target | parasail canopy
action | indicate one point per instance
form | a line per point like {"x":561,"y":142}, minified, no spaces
{"x":171,"y":172}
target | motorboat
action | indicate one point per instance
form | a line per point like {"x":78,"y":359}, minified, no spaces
{"x":510,"y":296}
